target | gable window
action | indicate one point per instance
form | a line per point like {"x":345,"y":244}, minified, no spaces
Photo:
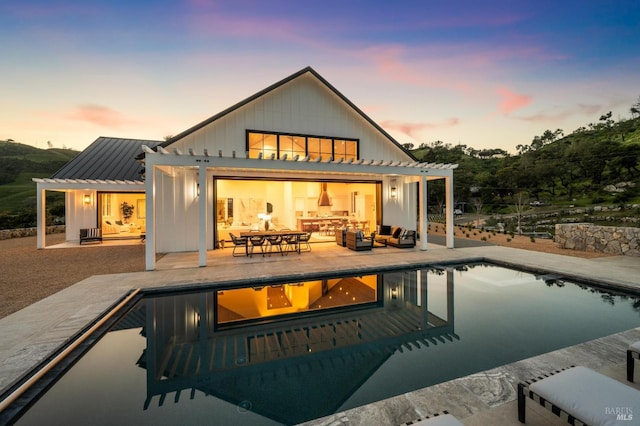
{"x":280,"y":144}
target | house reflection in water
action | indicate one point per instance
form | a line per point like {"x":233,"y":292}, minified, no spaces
{"x":290,"y":352}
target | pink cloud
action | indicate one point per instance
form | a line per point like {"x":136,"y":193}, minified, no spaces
{"x":413,"y":129}
{"x":512,"y":101}
{"x":99,"y":115}
{"x":392,"y":63}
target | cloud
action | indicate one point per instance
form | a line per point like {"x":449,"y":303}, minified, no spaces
{"x":413,"y":129}
{"x":99,"y":115}
{"x":512,"y":101}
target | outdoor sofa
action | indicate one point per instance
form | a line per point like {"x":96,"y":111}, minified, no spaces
{"x":580,"y":395}
{"x":396,"y":236}
{"x":341,"y":236}
{"x":355,"y":240}
{"x":88,"y":235}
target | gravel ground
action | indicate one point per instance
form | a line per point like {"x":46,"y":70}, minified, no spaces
{"x":28,"y":274}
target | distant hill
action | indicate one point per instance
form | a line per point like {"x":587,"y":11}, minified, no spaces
{"x":18,"y":164}
{"x":595,"y":164}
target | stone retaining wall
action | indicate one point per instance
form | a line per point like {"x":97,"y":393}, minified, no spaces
{"x":616,"y":240}
{"x":5,"y":234}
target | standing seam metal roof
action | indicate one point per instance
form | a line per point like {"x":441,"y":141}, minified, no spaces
{"x":107,"y":159}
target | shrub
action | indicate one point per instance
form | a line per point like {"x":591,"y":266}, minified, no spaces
{"x":533,"y":240}
{"x":508,"y":240}
{"x":484,"y":238}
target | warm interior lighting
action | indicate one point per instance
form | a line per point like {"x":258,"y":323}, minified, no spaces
{"x":394,"y":192}
{"x":87,"y":199}
{"x":394,"y":293}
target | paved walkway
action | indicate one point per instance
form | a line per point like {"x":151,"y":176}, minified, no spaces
{"x":30,"y":335}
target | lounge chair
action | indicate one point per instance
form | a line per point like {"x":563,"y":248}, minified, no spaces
{"x":357,"y":241}
{"x":581,"y":396}
{"x":632,"y":353}
{"x":90,"y":235}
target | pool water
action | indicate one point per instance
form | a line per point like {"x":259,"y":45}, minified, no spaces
{"x":289,"y":352}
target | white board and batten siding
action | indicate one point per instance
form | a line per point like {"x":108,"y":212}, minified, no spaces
{"x":302,"y":106}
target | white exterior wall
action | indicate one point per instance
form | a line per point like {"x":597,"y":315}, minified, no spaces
{"x":302,"y":106}
{"x":400,"y":211}
{"x":177,"y":211}
{"x":78,"y":215}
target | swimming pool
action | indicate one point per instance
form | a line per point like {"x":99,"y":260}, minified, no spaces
{"x":290,"y":352}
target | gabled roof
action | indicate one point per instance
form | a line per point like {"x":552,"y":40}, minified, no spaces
{"x":277,"y":85}
{"x":107,"y":159}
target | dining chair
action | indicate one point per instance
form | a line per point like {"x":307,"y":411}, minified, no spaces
{"x":256,"y":241}
{"x":304,"y":239}
{"x":274,"y":241}
{"x":238,"y":242}
{"x":290,"y":243}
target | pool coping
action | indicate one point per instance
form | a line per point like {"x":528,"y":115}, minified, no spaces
{"x":30,"y":335}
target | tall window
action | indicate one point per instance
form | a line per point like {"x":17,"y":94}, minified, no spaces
{"x":292,"y":145}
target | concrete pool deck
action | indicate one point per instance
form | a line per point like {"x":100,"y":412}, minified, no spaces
{"x":30,"y":335}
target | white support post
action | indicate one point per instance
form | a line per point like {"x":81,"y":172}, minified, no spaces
{"x":449,"y":208}
{"x":202,"y":216}
{"x":423,"y":212}
{"x":150,"y":232}
{"x":41,"y":205}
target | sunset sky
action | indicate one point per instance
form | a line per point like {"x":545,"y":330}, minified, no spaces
{"x":488,"y":74}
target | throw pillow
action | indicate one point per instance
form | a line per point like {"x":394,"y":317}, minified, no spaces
{"x":119,"y":222}
{"x":395,"y":231}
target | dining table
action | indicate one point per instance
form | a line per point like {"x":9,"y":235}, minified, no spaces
{"x":271,"y":233}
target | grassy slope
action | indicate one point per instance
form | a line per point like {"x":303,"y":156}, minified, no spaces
{"x":34,"y":162}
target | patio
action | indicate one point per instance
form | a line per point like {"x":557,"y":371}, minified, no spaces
{"x":29,"y":335}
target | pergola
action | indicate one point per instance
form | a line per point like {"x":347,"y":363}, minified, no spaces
{"x":205,"y":164}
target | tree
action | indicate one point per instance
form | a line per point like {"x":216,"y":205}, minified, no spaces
{"x":408,"y":146}
{"x":520,"y":205}
{"x":477,"y":204}
{"x":635,"y":108}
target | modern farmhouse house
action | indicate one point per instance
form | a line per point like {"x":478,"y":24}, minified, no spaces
{"x":298,"y":154}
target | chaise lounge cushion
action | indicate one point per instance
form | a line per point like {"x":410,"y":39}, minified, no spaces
{"x":587,"y":395}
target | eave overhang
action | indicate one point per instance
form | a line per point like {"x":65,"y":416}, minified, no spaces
{"x":299,"y":165}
